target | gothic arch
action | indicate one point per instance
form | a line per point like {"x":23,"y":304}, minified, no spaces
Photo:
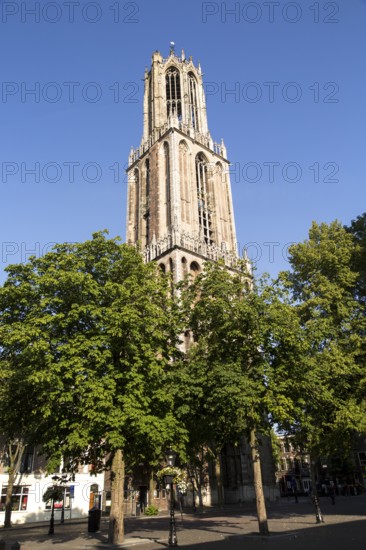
{"x":222,"y":203}
{"x":219,"y":168}
{"x":184,"y":144}
{"x":184,"y":266}
{"x":194,"y":269}
{"x":147,"y":177}
{"x":136,"y":177}
{"x":166,"y":153}
{"x":202,"y":157}
{"x":203,"y":198}
{"x":187,"y":340}
{"x":173,"y":92}
{"x":146,"y":213}
{"x":184,"y":180}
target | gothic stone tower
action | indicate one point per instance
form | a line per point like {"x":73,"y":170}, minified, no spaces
{"x":180,"y":208}
{"x":179,"y":197}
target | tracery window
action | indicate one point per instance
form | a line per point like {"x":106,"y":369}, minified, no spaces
{"x":137,"y":203}
{"x":147,"y":190}
{"x":167,"y":183}
{"x":204,"y":213}
{"x":223,"y":207}
{"x":184,"y":175}
{"x":147,"y":168}
{"x":173,"y":92}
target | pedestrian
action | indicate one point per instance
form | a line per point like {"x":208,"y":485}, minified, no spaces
{"x":331,"y":491}
{"x":294,"y":488}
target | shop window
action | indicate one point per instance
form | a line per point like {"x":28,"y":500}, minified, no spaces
{"x":58,"y":503}
{"x":19,"y":498}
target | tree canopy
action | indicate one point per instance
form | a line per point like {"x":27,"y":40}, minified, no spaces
{"x":93,"y":367}
{"x":330,"y":387}
{"x":245,"y":337}
{"x":92,"y":331}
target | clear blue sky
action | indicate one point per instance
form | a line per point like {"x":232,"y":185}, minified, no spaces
{"x":303,"y":62}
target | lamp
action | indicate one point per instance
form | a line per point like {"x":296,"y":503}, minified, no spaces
{"x":170,"y":457}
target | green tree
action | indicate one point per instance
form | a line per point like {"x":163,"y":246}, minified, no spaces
{"x":232,"y":375}
{"x":19,"y":404}
{"x":14,"y":428}
{"x":96,"y":343}
{"x":329,"y":393}
{"x":357,"y":229}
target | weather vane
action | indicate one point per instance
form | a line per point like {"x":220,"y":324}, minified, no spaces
{"x":172,"y":46}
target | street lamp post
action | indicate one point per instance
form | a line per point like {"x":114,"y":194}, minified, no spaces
{"x":314,"y":497}
{"x":51,"y":529}
{"x":318,"y":512}
{"x":170,"y":456}
{"x":56,"y":492}
{"x":63,"y":509}
{"x":63,"y":480}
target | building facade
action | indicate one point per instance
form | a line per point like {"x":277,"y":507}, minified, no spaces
{"x":180,"y":213}
{"x":293,"y":468}
{"x":31,"y":482}
{"x":346,"y":473}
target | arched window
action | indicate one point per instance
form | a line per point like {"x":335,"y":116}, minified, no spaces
{"x":184,"y":175}
{"x":167,"y":183}
{"x":147,"y":193}
{"x":193,"y":106}
{"x":204,"y":213}
{"x":187,"y":340}
{"x":173,"y":92}
{"x":222,"y":204}
{"x":184,"y":266}
{"x":194,"y":269}
{"x":137,"y":203}
{"x":147,"y":171}
{"x":162,"y":267}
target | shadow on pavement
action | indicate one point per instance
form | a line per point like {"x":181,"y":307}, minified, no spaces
{"x":345,"y":526}
{"x":320,"y":537}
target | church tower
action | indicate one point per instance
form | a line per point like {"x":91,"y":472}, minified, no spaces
{"x":180,"y":210}
{"x":179,"y":197}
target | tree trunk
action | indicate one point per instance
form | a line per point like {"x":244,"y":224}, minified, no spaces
{"x":15,"y":458}
{"x":258,"y":485}
{"x":196,"y":480}
{"x":200,"y":497}
{"x":116,"y":527}
{"x":200,"y":482}
{"x":220,"y":493}
{"x":9,"y":492}
{"x":151,"y":489}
